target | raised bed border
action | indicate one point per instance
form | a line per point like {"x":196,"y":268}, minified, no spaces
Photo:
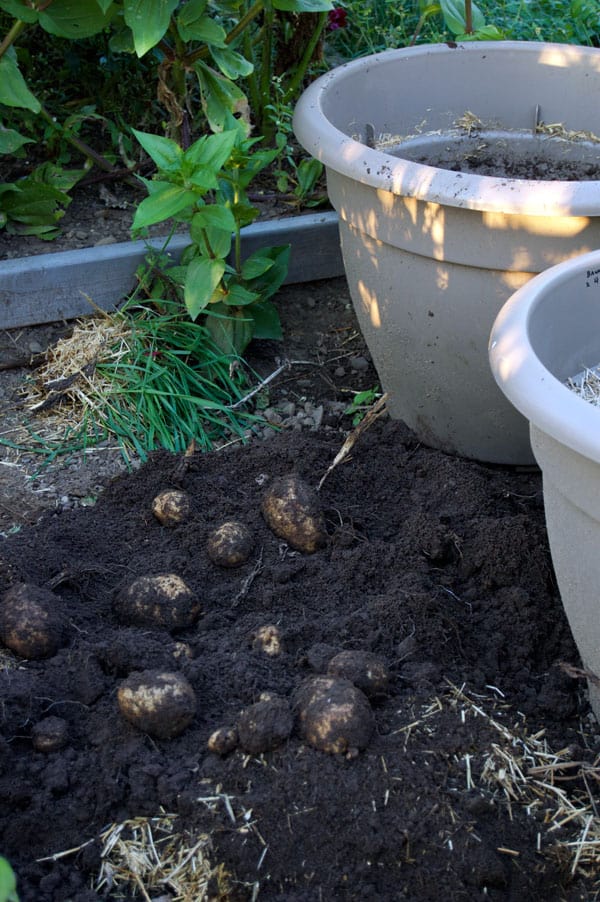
{"x":47,"y":288}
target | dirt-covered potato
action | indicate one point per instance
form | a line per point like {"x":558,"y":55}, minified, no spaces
{"x":292,"y":511}
{"x":268,"y":640}
{"x":230,"y":544}
{"x":367,"y":671}
{"x":172,"y":507}
{"x":333,"y":715}
{"x":265,"y":725}
{"x":29,"y":623}
{"x":157,"y":702}
{"x":50,"y":734}
{"x":223,"y":740}
{"x":163,"y":600}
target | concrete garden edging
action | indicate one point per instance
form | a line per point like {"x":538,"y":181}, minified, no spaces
{"x":48,"y":287}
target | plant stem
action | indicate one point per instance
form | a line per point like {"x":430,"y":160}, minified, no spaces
{"x":468,"y":17}
{"x":300,"y":70}
{"x":11,"y":36}
{"x":82,"y":147}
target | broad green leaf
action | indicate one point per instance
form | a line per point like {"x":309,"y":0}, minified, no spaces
{"x":203,"y":29}
{"x":203,"y":276}
{"x":266,"y":321}
{"x":121,"y":39}
{"x":11,"y":141}
{"x":231,"y":330}
{"x":239,"y":296}
{"x":212,"y":151}
{"x":214,"y":216}
{"x":20,"y":10}
{"x":34,"y":203}
{"x":219,"y":95}
{"x":454,"y":16}
{"x":74,"y":18}
{"x":303,"y":6}
{"x":191,"y":11}
{"x":256,"y":264}
{"x":52,"y":174}
{"x":231,"y":63}
{"x":245,"y":214}
{"x":166,"y":153}
{"x":487,"y":33}
{"x":8,"y":881}
{"x":148,"y":20}
{"x":104,"y":5}
{"x":203,"y":178}
{"x":272,"y":280}
{"x":162,"y":205}
{"x":212,"y":241}
{"x":13,"y":87}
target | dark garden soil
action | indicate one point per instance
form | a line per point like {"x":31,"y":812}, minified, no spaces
{"x":481,"y":744}
{"x":438,"y":565}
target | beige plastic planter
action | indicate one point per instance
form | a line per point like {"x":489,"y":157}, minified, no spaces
{"x":547,"y":332}
{"x":431,"y":255}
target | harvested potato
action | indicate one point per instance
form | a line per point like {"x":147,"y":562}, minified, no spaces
{"x":268,"y":640}
{"x":230,"y":544}
{"x":265,"y":725}
{"x":333,"y":715}
{"x":223,"y":740}
{"x":29,"y":623}
{"x":50,"y":734}
{"x":368,"y":672}
{"x":163,"y":600}
{"x":158,"y":702}
{"x":172,"y":507}
{"x":292,"y":511}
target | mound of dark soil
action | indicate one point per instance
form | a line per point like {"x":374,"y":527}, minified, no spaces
{"x":436,"y":564}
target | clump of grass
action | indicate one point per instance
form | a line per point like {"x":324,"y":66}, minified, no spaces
{"x":146,"y":376}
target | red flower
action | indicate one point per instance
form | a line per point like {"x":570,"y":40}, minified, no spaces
{"x":337,"y":19}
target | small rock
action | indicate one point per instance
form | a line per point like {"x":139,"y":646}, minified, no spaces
{"x":108,"y":239}
{"x":339,"y":371}
{"x":359,"y":364}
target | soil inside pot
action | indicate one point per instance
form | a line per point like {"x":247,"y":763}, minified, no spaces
{"x":438,"y":565}
{"x":505,"y":154}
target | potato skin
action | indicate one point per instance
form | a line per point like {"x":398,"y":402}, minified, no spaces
{"x":29,"y":624}
{"x":172,"y":507}
{"x":230,"y":544}
{"x":50,"y":734}
{"x":157,"y":702}
{"x":333,"y":715}
{"x":265,"y":725}
{"x":292,"y":511}
{"x":163,"y":600}
{"x":367,"y":671}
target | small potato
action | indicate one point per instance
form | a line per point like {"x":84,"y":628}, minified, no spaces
{"x":292,"y":511}
{"x":50,"y":734}
{"x":172,"y":507}
{"x":29,"y":623}
{"x":265,"y":725}
{"x":157,"y":702}
{"x":268,"y":640}
{"x":368,"y":672}
{"x":333,"y":715}
{"x":230,"y":544}
{"x":163,"y":601}
{"x":223,"y":740}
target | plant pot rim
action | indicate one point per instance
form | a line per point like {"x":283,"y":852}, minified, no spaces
{"x":532,"y":388}
{"x":344,"y":154}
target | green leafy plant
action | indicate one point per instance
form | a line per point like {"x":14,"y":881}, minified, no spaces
{"x":8,"y":882}
{"x":361,"y":403}
{"x":206,"y":187}
{"x":209,"y":58}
